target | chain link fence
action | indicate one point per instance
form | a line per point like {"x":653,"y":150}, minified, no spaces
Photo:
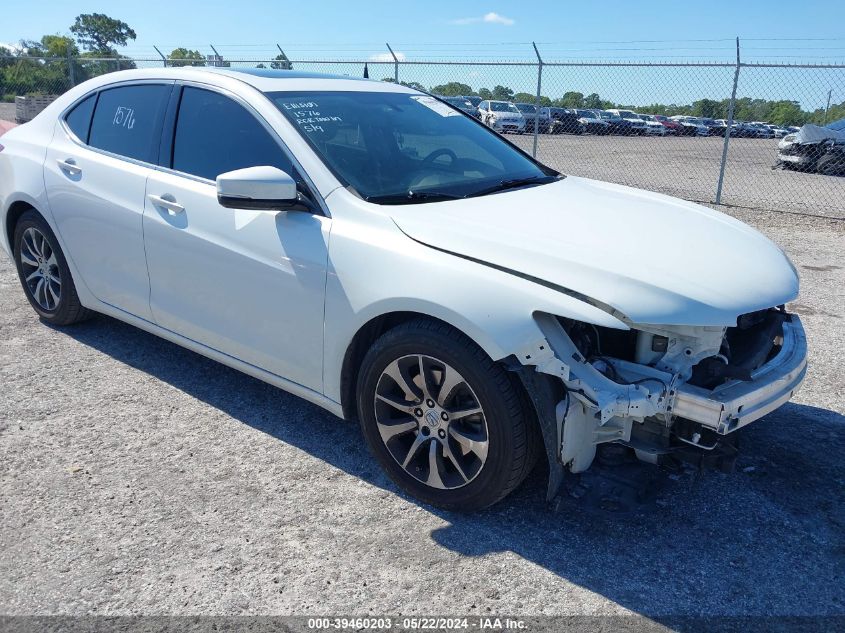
{"x":706,"y":132}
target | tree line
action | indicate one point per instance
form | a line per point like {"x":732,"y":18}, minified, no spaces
{"x":52,"y":63}
{"x":780,"y":112}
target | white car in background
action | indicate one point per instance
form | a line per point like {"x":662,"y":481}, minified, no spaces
{"x":502,"y":116}
{"x":638,"y":126}
{"x":653,"y":126}
{"x":371,"y":249}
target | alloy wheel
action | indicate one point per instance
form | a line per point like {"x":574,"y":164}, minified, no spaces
{"x":40,"y":269}
{"x":431,"y":421}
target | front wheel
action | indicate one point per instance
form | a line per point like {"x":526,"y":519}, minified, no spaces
{"x":44,"y":272}
{"x":447,"y":424}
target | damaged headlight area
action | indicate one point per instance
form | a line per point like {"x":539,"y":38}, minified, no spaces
{"x":661,"y":389}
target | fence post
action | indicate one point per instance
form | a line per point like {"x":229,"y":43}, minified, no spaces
{"x":729,"y":130}
{"x":537,"y":103}
{"x":70,"y":70}
{"x":286,"y":62}
{"x":395,"y":63}
{"x":163,"y":58}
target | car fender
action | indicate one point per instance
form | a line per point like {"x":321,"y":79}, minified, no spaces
{"x":375,"y":270}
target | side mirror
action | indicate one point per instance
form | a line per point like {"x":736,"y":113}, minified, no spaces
{"x":265,"y":187}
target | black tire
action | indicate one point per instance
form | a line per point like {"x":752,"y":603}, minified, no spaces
{"x":831,"y":165}
{"x":67,"y":308}
{"x":511,"y":428}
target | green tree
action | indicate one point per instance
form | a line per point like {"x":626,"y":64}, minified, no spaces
{"x":571,"y":100}
{"x":502,"y":93}
{"x":185,"y":57}
{"x":281,"y":62}
{"x":593,"y":101}
{"x":485,"y":94}
{"x":453,"y":89}
{"x":99,"y":33}
{"x":787,"y":113}
{"x":709,"y":108}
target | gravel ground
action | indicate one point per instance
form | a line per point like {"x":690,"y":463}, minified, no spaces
{"x":140,"y":478}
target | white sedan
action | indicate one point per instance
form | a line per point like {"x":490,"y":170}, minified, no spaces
{"x":377,"y":252}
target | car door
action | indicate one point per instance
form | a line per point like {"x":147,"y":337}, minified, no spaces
{"x":247,"y":283}
{"x":95,"y":173}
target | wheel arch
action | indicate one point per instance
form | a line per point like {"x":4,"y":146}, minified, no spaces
{"x":13,"y":213}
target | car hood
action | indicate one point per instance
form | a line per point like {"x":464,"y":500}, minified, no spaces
{"x":655,"y":259}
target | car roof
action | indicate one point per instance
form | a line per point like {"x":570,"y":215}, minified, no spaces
{"x":263,"y":79}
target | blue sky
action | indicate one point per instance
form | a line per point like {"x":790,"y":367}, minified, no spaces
{"x":564,"y":29}
{"x":601,"y":30}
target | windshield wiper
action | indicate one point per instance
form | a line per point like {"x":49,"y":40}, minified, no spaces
{"x":513,"y":183}
{"x":413,"y":197}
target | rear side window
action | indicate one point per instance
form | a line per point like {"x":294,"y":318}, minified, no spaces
{"x":127,"y":121}
{"x":79,"y":119}
{"x":215,"y":134}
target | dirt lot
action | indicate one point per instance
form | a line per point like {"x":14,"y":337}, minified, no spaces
{"x":136,"y":477}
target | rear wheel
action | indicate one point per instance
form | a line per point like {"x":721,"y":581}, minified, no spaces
{"x":44,"y":272}
{"x":447,"y":424}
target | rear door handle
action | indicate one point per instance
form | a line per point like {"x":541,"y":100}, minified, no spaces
{"x":69,"y":166}
{"x":166,"y":203}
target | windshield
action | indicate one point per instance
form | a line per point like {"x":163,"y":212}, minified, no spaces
{"x":608,"y":116}
{"x":586,"y":114}
{"x":399,"y":148}
{"x":627,"y":114}
{"x":501,"y":106}
{"x":526,"y":107}
{"x":838,"y":126}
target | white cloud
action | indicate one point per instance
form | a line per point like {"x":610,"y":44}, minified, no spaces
{"x":387,"y":57}
{"x":10,"y":47}
{"x":489,"y":18}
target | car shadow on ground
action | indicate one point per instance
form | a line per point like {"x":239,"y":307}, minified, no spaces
{"x":767,"y":539}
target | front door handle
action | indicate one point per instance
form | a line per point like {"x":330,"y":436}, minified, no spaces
{"x":69,"y":166}
{"x":167,"y":202}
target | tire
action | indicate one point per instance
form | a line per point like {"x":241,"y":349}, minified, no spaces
{"x":831,"y":165}
{"x":476,"y":472}
{"x":44,"y":273}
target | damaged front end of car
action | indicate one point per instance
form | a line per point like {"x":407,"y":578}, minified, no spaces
{"x":665,"y":392}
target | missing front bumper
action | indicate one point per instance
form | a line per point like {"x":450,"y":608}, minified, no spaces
{"x":735,"y":404}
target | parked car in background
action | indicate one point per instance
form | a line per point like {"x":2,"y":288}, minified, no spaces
{"x":473,"y":99}
{"x":760,"y":130}
{"x":462,"y":104}
{"x":533,"y":117}
{"x":672,"y":127}
{"x":616,"y":123}
{"x":592,"y":123}
{"x":502,"y":116}
{"x":653,"y":128}
{"x":563,"y":121}
{"x":777,"y":130}
{"x":691,"y":126}
{"x":638,"y":126}
{"x":716,"y":128}
{"x":815,"y":149}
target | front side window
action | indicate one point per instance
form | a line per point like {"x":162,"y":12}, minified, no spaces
{"x":127,"y":120}
{"x":215,"y":134}
{"x":390,"y":146}
{"x":79,"y":119}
